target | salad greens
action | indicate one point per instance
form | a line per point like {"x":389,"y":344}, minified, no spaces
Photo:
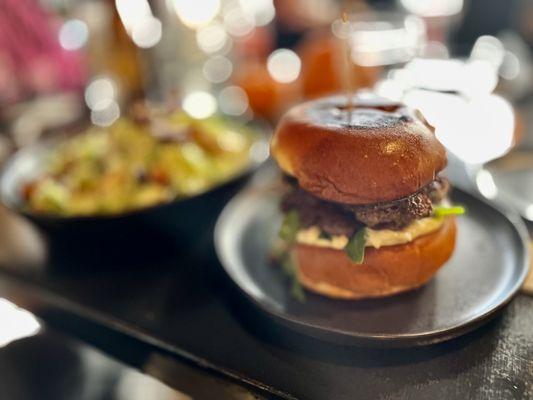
{"x":131,"y":165}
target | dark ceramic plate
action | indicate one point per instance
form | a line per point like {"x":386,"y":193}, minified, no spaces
{"x":488,"y":267}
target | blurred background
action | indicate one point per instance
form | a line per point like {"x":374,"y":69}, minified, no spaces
{"x":465,"y":63}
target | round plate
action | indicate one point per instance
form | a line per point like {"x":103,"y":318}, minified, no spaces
{"x":488,"y":266}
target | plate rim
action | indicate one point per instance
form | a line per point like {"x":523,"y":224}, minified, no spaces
{"x":386,"y":339}
{"x":492,"y":168}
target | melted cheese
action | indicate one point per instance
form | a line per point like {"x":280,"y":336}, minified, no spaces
{"x":375,"y":238}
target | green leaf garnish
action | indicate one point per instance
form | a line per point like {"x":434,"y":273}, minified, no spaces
{"x":442,"y":211}
{"x":289,"y":268}
{"x":287,"y":265}
{"x":287,"y":233}
{"x":297,"y":291}
{"x":278,"y":250}
{"x":355,"y":249}
{"x":289,"y":226}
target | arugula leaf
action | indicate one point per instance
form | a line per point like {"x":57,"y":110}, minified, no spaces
{"x":355,"y":248}
{"x":278,"y":250}
{"x":442,"y":211}
{"x":288,"y":232}
{"x":289,"y":226}
{"x":287,"y":265}
{"x":297,"y":291}
{"x":289,"y":268}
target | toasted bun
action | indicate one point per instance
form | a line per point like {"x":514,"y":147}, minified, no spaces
{"x":380,"y":151}
{"x":384,"y":272}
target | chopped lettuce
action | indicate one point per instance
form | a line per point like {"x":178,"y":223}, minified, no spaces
{"x":355,"y":248}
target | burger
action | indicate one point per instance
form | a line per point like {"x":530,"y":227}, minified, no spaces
{"x":366,"y":210}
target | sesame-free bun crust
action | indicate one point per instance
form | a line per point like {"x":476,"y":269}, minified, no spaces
{"x":384,"y":272}
{"x":380,"y":151}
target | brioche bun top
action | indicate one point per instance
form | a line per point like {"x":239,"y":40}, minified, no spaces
{"x":377,"y":151}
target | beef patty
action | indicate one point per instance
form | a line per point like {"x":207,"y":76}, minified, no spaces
{"x":343,"y":219}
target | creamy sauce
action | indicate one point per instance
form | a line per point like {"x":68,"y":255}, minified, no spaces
{"x":375,"y":238}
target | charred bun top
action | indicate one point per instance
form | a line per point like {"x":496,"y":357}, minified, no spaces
{"x":378,"y":151}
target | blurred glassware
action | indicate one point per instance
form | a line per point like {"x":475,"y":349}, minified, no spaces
{"x":323,"y":66}
{"x":438,"y":15}
{"x":456,"y":97}
{"x":301,"y":15}
{"x":516,"y":69}
{"x":480,"y":127}
{"x":268,"y":97}
{"x":382,"y":38}
{"x":376,"y":40}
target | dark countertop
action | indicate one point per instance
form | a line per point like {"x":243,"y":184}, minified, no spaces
{"x":495,"y":361}
{"x":53,"y":365}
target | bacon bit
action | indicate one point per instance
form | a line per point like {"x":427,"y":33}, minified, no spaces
{"x":140,"y":113}
{"x":165,"y":132}
{"x":28,"y":190}
{"x":160,"y":176}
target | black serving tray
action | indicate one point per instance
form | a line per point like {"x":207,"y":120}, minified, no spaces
{"x":179,"y":299}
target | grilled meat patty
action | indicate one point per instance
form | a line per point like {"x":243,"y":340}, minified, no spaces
{"x":343,"y":219}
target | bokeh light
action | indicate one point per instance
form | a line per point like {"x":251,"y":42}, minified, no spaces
{"x":196,"y":13}
{"x":233,"y":100}
{"x":136,"y":16}
{"x":101,"y":90}
{"x":262,"y":11}
{"x":433,"y":8}
{"x":73,"y":34}
{"x":217,"y":69}
{"x":16,"y":323}
{"x":105,"y":114}
{"x":489,"y":49}
{"x":212,"y":38}
{"x":510,"y":68}
{"x":237,"y":22}
{"x":199,"y":104}
{"x":132,"y":12}
{"x":284,"y":65}
{"x":147,"y":33}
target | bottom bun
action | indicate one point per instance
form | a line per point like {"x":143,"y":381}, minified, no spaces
{"x":385,"y":271}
